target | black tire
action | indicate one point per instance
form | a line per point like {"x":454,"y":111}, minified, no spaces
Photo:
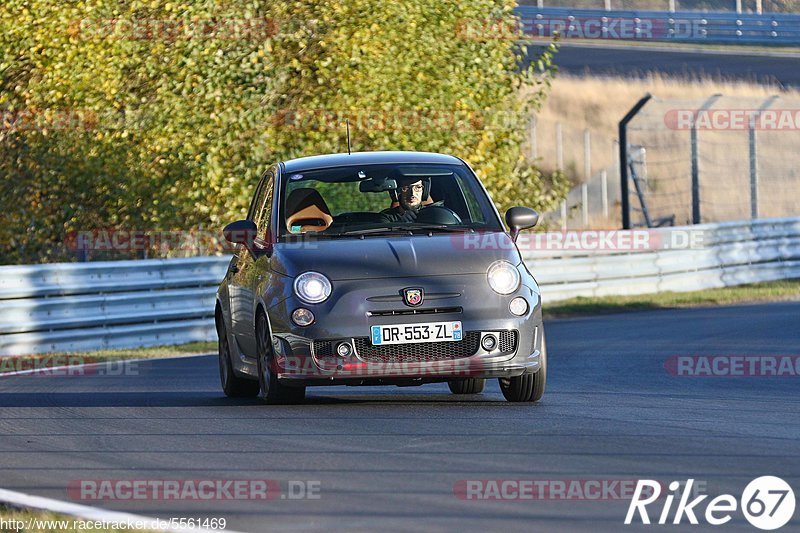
{"x":271,"y":390}
{"x":527,"y":387}
{"x":232,"y":385}
{"x":467,"y":386}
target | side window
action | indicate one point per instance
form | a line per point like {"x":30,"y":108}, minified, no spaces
{"x":263,"y":205}
{"x":251,"y":213}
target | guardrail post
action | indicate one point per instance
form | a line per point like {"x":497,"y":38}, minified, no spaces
{"x":623,"y":159}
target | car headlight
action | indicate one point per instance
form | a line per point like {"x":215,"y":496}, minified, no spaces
{"x":312,"y":287}
{"x":503,"y":277}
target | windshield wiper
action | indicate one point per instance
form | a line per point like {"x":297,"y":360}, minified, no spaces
{"x":383,"y":229}
{"x":445,"y":227}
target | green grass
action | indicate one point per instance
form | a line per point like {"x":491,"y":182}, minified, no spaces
{"x":11,"y":364}
{"x":771,"y":291}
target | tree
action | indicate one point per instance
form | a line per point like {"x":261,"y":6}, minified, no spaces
{"x":150,"y":115}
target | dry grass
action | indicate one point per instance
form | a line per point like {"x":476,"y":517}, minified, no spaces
{"x":597,"y":104}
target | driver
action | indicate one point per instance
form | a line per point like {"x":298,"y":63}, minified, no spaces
{"x":409,"y":194}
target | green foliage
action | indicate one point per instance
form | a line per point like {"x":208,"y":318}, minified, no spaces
{"x":150,"y":115}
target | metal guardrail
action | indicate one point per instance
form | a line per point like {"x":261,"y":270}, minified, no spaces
{"x":732,"y":253}
{"x":122,"y":304}
{"x":108,"y":304}
{"x":661,"y":26}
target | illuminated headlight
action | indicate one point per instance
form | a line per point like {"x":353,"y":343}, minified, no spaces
{"x":518,"y":306}
{"x":503,"y":277}
{"x":312,"y":287}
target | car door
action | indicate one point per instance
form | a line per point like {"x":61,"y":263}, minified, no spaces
{"x":249,"y":270}
{"x":243,"y":270}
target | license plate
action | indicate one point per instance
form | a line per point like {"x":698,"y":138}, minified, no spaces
{"x":411,"y":333}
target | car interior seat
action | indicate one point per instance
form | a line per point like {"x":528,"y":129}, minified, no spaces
{"x":307,"y":211}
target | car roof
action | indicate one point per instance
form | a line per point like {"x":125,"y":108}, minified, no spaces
{"x":367,"y":158}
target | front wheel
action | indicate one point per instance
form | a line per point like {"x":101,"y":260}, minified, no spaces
{"x":527,"y":387}
{"x":272,"y":390}
{"x":467,"y":386}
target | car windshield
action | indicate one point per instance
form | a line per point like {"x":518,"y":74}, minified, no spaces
{"x":384,"y":199}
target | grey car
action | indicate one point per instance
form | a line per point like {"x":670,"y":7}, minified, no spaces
{"x":378,"y":268}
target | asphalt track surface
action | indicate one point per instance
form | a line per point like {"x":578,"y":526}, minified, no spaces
{"x":389,"y":458}
{"x":633,"y":62}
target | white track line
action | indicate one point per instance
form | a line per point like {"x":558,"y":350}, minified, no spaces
{"x":55,"y":369}
{"x":28,"y":501}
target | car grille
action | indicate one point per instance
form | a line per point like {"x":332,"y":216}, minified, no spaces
{"x":418,"y":352}
{"x":507,"y":341}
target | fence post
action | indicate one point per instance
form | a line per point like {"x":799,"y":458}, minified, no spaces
{"x":695,"y":177}
{"x":604,"y":192}
{"x":739,"y":6}
{"x":564,"y":215}
{"x":672,"y":6}
{"x":623,"y":159}
{"x":753,"y":144}
{"x":559,"y":148}
{"x":587,"y":154}
{"x":753,"y":170}
{"x":585,"y":204}
{"x":696,"y":218}
{"x":608,"y":5}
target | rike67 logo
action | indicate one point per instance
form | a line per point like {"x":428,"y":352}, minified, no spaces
{"x":767,"y":503}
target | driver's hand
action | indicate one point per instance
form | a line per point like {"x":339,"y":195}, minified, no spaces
{"x":409,"y":216}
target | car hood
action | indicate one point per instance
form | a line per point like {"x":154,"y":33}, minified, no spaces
{"x":395,"y":256}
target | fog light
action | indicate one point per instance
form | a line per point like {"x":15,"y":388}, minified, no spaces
{"x":302,"y":317}
{"x":344,"y":349}
{"x":489,"y":342}
{"x":518,"y":306}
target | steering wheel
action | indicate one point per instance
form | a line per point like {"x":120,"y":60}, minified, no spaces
{"x":438,"y":214}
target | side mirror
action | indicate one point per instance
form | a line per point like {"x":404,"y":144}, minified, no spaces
{"x":520,"y":218}
{"x":241,"y":232}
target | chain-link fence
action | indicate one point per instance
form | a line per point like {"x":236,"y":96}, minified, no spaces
{"x":721,"y":158}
